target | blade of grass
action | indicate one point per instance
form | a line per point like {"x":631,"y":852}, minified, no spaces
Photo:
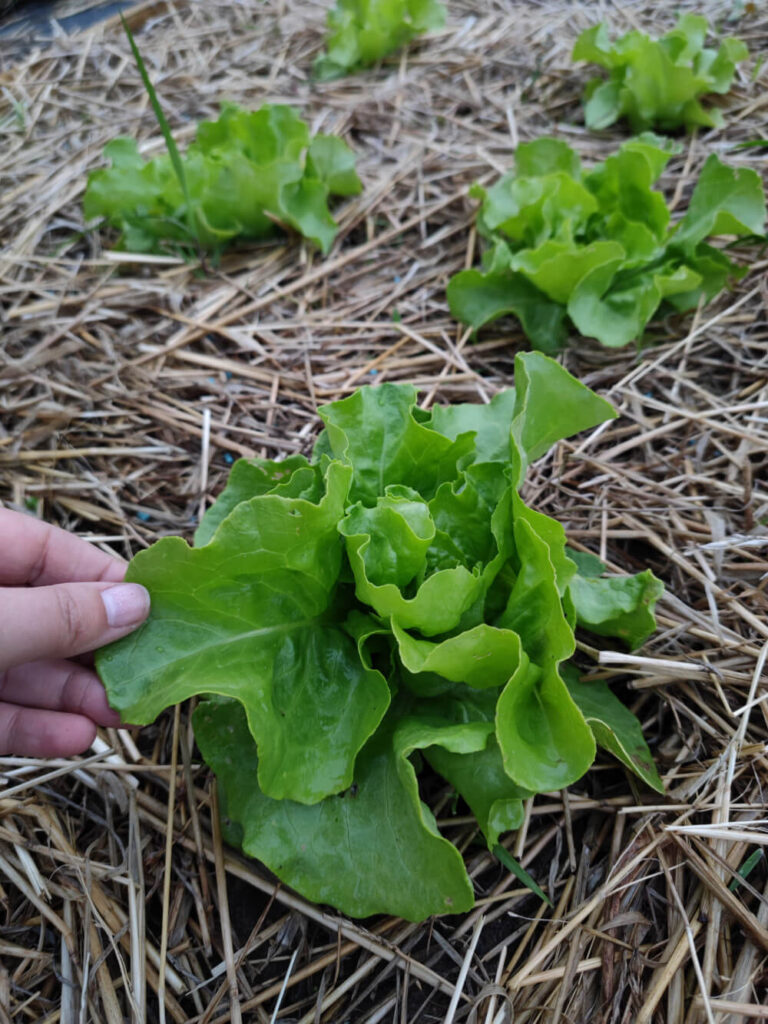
{"x":746,"y":868}
{"x":173,"y":151}
{"x":520,"y":873}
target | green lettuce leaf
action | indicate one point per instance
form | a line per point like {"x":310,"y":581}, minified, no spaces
{"x":601,"y":308}
{"x":245,"y":173}
{"x":369,"y":850}
{"x":479,"y":777}
{"x":530,"y":210}
{"x":469,"y":513}
{"x":489,"y":423}
{"x":620,"y":606}
{"x":724,"y":202}
{"x":657,"y":82}
{"x":362,"y":32}
{"x":484,"y":656}
{"x":249,"y":616}
{"x":291,"y":478}
{"x":545,"y":741}
{"x":376,"y":432}
{"x":437,"y":605}
{"x":709,"y":270}
{"x":550,"y":405}
{"x":596,"y":249}
{"x":389,"y":604}
{"x":556,"y":268}
{"x":615,"y":728}
{"x":332,"y":162}
{"x":478,"y":298}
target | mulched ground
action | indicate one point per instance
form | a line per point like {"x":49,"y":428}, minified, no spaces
{"x":128,"y":386}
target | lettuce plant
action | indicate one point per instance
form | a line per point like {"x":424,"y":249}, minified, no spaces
{"x":361,"y":32}
{"x":657,"y":83}
{"x":243,"y":176}
{"x":597,"y":248}
{"x":391,"y":603}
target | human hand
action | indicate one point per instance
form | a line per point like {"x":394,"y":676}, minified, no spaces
{"x":60,"y":597}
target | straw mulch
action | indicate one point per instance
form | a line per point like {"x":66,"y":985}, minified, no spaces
{"x":130,"y":385}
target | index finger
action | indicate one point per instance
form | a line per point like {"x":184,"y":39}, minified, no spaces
{"x":38,"y":554}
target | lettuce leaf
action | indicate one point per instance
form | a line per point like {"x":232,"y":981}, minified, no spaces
{"x":362,"y":32}
{"x":371,"y":848}
{"x":245,"y":174}
{"x":597,"y":249}
{"x":390,"y":603}
{"x":657,"y":83}
{"x":614,"y":726}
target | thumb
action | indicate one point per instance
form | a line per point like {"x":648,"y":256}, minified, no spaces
{"x":67,"y":619}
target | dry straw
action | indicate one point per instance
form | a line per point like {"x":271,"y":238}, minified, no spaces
{"x":130,"y":383}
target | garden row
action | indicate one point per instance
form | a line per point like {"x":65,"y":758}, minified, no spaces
{"x":392,"y":601}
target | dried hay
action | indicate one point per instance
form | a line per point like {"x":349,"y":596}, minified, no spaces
{"x":129,"y":385}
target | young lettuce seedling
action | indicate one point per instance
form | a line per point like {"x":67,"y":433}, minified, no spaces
{"x":245,"y":176}
{"x":597,"y":250}
{"x":657,"y":83}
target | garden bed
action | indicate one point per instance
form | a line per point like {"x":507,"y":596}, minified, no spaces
{"x":130,"y":384}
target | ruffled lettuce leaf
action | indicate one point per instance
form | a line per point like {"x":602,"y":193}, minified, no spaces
{"x":597,"y":249}
{"x":245,"y":174}
{"x":372,"y":848}
{"x":481,"y":657}
{"x":456,"y":736}
{"x":657,"y":83}
{"x":725,"y":201}
{"x":620,"y":606}
{"x":477,"y":298}
{"x":293,"y":477}
{"x":545,"y":741}
{"x":390,"y":602}
{"x":362,"y":32}
{"x":480,"y":778}
{"x":250,"y":616}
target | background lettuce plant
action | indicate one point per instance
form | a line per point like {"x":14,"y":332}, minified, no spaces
{"x":597,"y":248}
{"x":361,"y":32}
{"x":390,"y":604}
{"x":657,"y":83}
{"x":243,"y":176}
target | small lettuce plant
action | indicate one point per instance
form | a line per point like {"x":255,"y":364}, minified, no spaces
{"x":362,"y":32}
{"x":388,"y":606}
{"x":597,"y":250}
{"x":246,"y":174}
{"x":657,"y":83}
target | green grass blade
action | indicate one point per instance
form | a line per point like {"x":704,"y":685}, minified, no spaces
{"x":519,"y":871}
{"x":746,"y":868}
{"x":173,"y":151}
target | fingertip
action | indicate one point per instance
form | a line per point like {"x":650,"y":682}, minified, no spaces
{"x":96,"y":707}
{"x":115,"y":573}
{"x":108,"y":718}
{"x":68,"y":619}
{"x":29,"y":732}
{"x":59,"y":734}
{"x":90,"y":699}
{"x":126,"y":605}
{"x":81,"y":737}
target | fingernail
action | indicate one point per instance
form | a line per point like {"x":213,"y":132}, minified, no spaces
{"x":126,"y":604}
